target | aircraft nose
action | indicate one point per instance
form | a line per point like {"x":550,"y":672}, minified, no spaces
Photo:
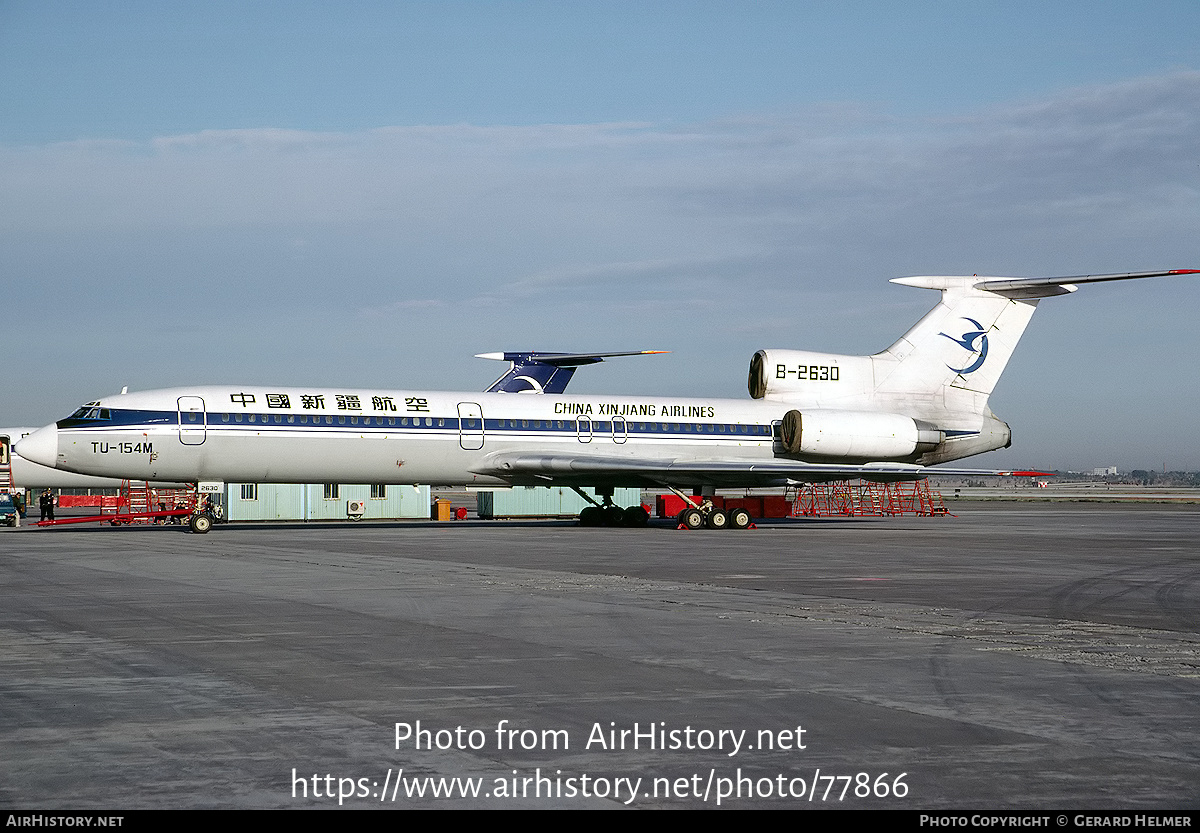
{"x":40,"y":447}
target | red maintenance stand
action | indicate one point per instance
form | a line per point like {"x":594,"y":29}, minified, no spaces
{"x":137,"y":503}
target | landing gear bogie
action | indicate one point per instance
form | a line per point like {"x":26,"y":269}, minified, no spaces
{"x":613,"y":515}
{"x":706,"y":515}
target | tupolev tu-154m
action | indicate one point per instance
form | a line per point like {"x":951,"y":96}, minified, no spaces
{"x":811,"y":417}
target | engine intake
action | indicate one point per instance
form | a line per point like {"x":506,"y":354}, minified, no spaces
{"x":809,"y":376}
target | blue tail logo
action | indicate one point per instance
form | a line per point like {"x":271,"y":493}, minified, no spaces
{"x":967,"y":342}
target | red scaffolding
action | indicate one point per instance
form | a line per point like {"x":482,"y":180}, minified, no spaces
{"x":866,"y":498}
{"x":137,"y":503}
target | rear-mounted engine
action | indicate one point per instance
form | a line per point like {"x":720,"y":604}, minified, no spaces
{"x":854,"y":434}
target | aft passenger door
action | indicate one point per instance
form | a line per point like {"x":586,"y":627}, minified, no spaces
{"x":193,"y":420}
{"x":620,"y":430}
{"x":470,"y":426}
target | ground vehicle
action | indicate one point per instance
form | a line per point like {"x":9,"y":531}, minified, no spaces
{"x":8,"y":512}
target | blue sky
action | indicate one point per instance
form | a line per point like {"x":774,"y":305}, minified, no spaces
{"x":134,"y":70}
{"x":370,"y":193}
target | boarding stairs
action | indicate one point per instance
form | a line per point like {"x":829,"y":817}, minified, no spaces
{"x":6,"y":481}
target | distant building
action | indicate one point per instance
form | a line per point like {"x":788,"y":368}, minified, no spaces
{"x":1104,"y":471}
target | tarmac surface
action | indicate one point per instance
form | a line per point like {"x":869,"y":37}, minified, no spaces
{"x":1018,"y":656}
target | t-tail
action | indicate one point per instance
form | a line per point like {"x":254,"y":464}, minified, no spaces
{"x":939,"y":374}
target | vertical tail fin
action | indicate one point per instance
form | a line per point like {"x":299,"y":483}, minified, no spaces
{"x":954,"y":356}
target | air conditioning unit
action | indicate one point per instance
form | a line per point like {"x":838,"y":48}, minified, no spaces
{"x":356,"y":507}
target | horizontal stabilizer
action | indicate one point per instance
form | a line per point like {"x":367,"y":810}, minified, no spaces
{"x":1045,"y":287}
{"x":1029,"y":287}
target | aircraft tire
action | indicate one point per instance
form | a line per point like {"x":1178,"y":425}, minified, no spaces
{"x":591,"y":516}
{"x":613,"y":516}
{"x":692,"y":518}
{"x":200,"y":524}
{"x":739,"y":518}
{"x":718,"y":519}
{"x":636,"y":516}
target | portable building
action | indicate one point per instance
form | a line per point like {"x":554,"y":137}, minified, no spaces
{"x":323,"y":502}
{"x":544,"y":501}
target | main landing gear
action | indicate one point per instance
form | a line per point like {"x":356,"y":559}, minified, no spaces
{"x":613,"y":515}
{"x":707,"y":515}
{"x":608,"y":513}
{"x":700,"y":514}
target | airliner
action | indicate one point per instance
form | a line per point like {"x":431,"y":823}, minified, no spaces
{"x":811,"y":417}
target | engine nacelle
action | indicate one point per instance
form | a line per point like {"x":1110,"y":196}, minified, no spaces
{"x":856,"y":435}
{"x":804,"y":376}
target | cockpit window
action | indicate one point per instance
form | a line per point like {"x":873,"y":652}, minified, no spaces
{"x":92,"y":410}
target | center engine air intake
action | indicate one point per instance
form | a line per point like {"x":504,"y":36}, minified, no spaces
{"x":791,"y":373}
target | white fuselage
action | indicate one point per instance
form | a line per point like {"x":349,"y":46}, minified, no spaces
{"x":295,"y":435}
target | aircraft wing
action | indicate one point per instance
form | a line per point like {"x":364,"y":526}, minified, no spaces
{"x":546,"y":372}
{"x":528,"y":469}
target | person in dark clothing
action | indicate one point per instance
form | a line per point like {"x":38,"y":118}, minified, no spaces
{"x":47,"y":504}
